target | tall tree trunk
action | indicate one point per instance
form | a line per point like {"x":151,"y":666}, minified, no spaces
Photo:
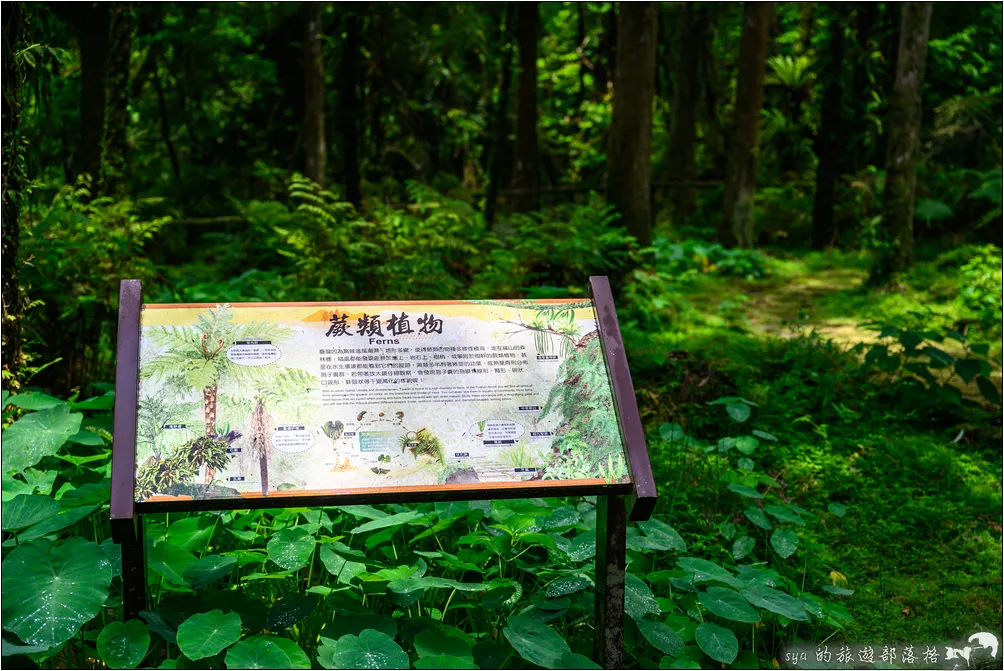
{"x":736,"y":227}
{"x":165,"y":121}
{"x":13,"y":178}
{"x":351,"y":108}
{"x":114,"y":162}
{"x":690,"y":37}
{"x":629,"y":148}
{"x":94,"y":46}
{"x":524,"y":177}
{"x":581,"y":48}
{"x":313,"y":68}
{"x":209,"y":395}
{"x":830,"y":140}
{"x":606,"y":52}
{"x":857,"y":121}
{"x":904,"y":141}
{"x":714,"y":140}
{"x":501,"y":122}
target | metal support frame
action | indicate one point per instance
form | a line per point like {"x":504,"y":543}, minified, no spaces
{"x":611,"y":551}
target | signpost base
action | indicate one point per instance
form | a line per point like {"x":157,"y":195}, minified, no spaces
{"x":611,"y":546}
{"x":134,"y":571}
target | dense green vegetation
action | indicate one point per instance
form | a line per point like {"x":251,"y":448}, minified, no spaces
{"x":803,"y":230}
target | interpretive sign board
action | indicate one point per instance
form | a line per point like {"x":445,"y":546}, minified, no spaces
{"x":231,"y":406}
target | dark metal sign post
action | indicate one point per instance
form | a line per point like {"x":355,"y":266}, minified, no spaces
{"x":616,"y":503}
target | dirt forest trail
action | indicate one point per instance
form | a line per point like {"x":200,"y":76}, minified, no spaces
{"x":779,"y":303}
{"x":784,"y":306}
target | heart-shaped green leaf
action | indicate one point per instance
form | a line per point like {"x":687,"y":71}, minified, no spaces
{"x":123,"y":645}
{"x":705,"y":571}
{"x":289,"y":610}
{"x":784,"y":542}
{"x":535,"y":641}
{"x":742,"y":547}
{"x":206,"y":634}
{"x":433,"y":642}
{"x":663,"y":533}
{"x":784,"y":514}
{"x":759,"y":518}
{"x":717,"y":642}
{"x":638,"y":598}
{"x":291,"y":548}
{"x":660,"y":635}
{"x":24,"y":510}
{"x":740,"y":412}
{"x":258,"y":652}
{"x":728,"y":603}
{"x":37,"y":435}
{"x":371,"y":649}
{"x":210,"y":568}
{"x":745,"y":490}
{"x":170,"y":561}
{"x":775,"y":601}
{"x":58,"y":588}
{"x":567,"y":585}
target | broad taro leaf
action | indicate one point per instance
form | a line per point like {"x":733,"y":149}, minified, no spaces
{"x":257,"y":652}
{"x":289,"y":610}
{"x":206,"y":634}
{"x":775,"y":601}
{"x":123,"y":645}
{"x":664,"y":533}
{"x":58,"y":588}
{"x":170,"y":561}
{"x":535,"y":641}
{"x":210,"y":568}
{"x":660,"y":635}
{"x":784,"y":542}
{"x":728,"y":603}
{"x":717,"y":642}
{"x":37,"y":435}
{"x":371,"y":649}
{"x":24,"y":510}
{"x":291,"y":548}
{"x":638,"y":598}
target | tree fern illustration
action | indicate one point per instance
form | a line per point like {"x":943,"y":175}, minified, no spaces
{"x":195,"y":356}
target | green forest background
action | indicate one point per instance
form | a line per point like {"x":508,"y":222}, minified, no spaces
{"x":798,"y":204}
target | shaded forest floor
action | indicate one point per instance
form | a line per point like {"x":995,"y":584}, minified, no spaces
{"x":920,"y":544}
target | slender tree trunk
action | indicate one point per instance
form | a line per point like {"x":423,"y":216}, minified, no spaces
{"x":165,"y":121}
{"x":830,"y":140}
{"x":13,"y":178}
{"x":351,"y":108}
{"x":94,"y":46}
{"x":209,"y":414}
{"x":263,"y":468}
{"x":377,"y":42}
{"x":313,"y":68}
{"x":714,"y":140}
{"x":501,"y":122}
{"x":691,"y":33}
{"x":606,"y":52}
{"x":525,"y":160}
{"x":581,"y":47}
{"x":114,"y":163}
{"x":737,"y":225}
{"x":629,"y":148}
{"x":904,"y":141}
{"x":857,"y":122}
